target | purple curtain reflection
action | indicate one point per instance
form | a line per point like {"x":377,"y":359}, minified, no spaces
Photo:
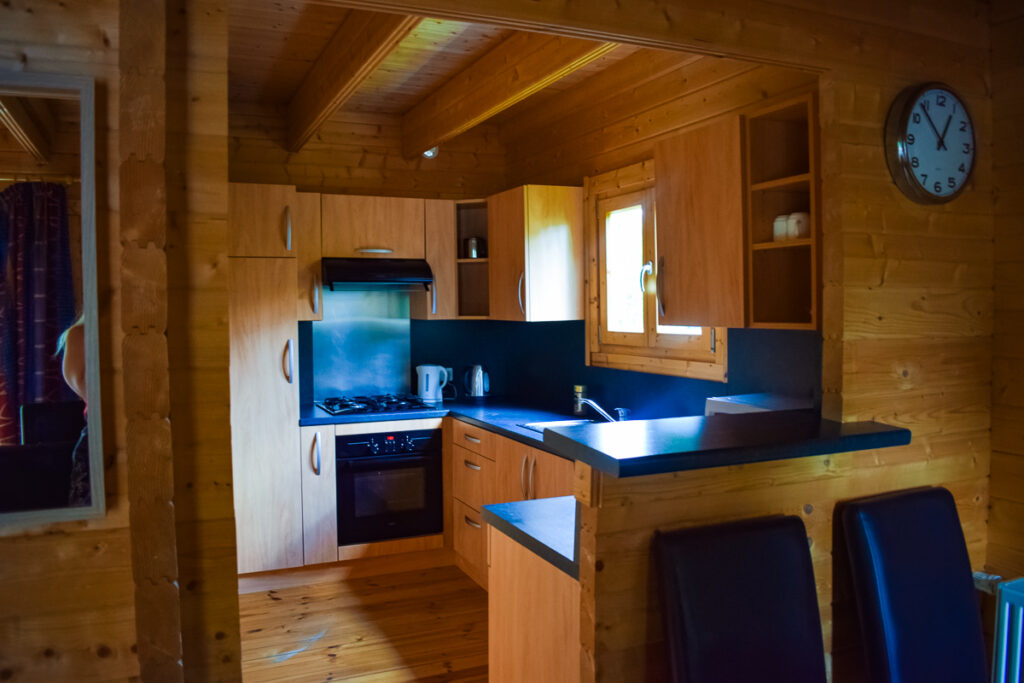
{"x":36,"y":298}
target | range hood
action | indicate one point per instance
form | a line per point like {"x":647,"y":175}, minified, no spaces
{"x":374,"y":273}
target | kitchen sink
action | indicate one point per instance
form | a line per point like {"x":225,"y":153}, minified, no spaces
{"x":539,"y":427}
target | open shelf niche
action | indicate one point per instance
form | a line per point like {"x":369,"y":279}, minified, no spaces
{"x":473,"y":296}
{"x":782,"y":178}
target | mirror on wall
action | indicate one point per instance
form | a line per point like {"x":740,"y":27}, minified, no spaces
{"x":50,"y":430}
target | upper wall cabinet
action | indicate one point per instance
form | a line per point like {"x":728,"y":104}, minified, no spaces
{"x":699,"y":234}
{"x":372,"y":227}
{"x":439,"y":229}
{"x":265,"y":218}
{"x":535,"y":245}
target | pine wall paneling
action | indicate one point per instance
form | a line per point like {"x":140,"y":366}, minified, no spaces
{"x":1006,"y":520}
{"x":66,"y":595}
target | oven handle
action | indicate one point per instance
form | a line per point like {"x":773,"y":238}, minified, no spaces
{"x":380,"y":462}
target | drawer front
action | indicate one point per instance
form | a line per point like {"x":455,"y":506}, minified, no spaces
{"x":472,"y":478}
{"x":472,"y":438}
{"x":470,"y":540}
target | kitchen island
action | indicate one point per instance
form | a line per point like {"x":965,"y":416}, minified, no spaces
{"x":571,"y":578}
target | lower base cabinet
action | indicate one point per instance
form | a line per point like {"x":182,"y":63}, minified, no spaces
{"x":319,"y":495}
{"x":486,"y":468}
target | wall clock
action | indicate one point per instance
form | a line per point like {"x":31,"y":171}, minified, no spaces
{"x":929,"y":143}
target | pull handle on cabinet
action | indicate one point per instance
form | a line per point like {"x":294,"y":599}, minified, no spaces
{"x":469,"y":522}
{"x":471,"y":465}
{"x":316,"y":297}
{"x":289,"y":358}
{"x":519,"y":291}
{"x":316,"y":453}
{"x":288,"y":228}
{"x":522,"y":478}
{"x":660,"y":291}
{"x":533,"y":466}
{"x":471,"y":439}
{"x":374,"y":250}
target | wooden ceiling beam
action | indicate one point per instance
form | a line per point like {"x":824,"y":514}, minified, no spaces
{"x":359,"y":45}
{"x":519,"y":66}
{"x":29,"y":130}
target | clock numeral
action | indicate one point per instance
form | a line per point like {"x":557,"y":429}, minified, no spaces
{"x":914,"y":162}
{"x":962,"y":169}
{"x":916,"y":117}
{"x":938,"y":187}
{"x":967,"y":148}
{"x":951,"y":182}
{"x":963,"y":126}
{"x":924,"y":178}
{"x":910,"y":139}
{"x":926,"y":105}
{"x":940,"y":100}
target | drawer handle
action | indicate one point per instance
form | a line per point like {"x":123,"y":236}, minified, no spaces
{"x":471,"y":439}
{"x":475,"y":525}
{"x":471,"y":466}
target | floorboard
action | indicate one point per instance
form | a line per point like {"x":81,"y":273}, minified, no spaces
{"x":428,"y":624}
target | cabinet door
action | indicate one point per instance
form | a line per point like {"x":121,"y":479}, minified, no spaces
{"x":506,"y":250}
{"x":699,"y":232}
{"x":306,"y":229}
{"x":553,"y":287}
{"x":439,"y":229}
{"x":513,"y":467}
{"x":549,"y":475}
{"x":262,"y":219}
{"x":319,"y":495}
{"x":372,"y":227}
{"x":265,"y":413}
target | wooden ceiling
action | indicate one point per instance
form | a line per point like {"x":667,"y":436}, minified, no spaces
{"x":318,"y":62}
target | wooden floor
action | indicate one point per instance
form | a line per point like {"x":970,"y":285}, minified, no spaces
{"x":429,"y":624}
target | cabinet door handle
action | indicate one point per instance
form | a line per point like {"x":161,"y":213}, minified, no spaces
{"x":645,"y":270}
{"x":475,"y":525}
{"x":471,"y":465}
{"x":289,"y":358}
{"x":522,"y":478}
{"x":288,"y":228}
{"x":433,"y":294}
{"x":471,"y":439}
{"x":316,"y":453}
{"x":519,"y":289}
{"x":316,"y":297}
{"x":374,"y":250}
{"x":660,"y":293}
{"x":533,"y":466}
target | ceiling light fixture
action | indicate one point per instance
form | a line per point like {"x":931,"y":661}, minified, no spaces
{"x":430,"y":153}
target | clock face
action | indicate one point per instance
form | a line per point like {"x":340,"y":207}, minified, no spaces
{"x":930,"y":143}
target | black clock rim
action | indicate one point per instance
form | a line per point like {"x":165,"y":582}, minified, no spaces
{"x":895,"y":139}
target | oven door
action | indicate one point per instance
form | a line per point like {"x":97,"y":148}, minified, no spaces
{"x":385,"y":497}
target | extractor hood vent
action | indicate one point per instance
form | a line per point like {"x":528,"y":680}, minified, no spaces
{"x":371,"y":273}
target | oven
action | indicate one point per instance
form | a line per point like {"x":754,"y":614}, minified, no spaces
{"x":389,"y":485}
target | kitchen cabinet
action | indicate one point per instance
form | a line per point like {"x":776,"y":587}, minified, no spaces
{"x":439,"y":226}
{"x":267,"y":479}
{"x":487,"y":468}
{"x":276,"y":220}
{"x":535,"y":251}
{"x":699,"y":234}
{"x":372,"y":227}
{"x":319,"y":495}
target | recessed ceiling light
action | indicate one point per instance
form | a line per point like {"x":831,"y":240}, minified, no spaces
{"x":430,"y":153}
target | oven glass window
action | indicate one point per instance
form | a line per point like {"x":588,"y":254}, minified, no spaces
{"x":383,"y":492}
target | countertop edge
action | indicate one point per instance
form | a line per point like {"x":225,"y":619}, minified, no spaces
{"x":492,"y":515}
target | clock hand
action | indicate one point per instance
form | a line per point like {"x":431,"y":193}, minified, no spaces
{"x":934,"y":129}
{"x":942,"y":138}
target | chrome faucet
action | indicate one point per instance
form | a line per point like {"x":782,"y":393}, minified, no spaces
{"x":580,"y":400}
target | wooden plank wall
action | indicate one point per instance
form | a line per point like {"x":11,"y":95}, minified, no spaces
{"x":197,"y":303}
{"x":1006,"y":517}
{"x":361,"y":153}
{"x":66,"y":603}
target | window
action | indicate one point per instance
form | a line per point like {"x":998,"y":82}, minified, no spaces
{"x":623,"y":320}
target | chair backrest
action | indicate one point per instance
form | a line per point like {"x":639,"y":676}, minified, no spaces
{"x":911,"y":575}
{"x":739,"y":602}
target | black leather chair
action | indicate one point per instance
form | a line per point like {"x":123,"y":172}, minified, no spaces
{"x":740,"y":603}
{"x":919,"y":614}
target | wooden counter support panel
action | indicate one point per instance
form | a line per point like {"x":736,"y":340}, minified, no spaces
{"x":518,"y":67}
{"x":362,"y":41}
{"x":533,"y":623}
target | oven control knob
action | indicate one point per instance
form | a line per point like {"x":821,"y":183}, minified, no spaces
{"x":407,"y":445}
{"x":374,"y":446}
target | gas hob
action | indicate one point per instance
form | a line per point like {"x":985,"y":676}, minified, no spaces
{"x":385,"y":403}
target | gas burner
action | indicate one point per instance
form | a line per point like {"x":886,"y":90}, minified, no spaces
{"x":386,"y":403}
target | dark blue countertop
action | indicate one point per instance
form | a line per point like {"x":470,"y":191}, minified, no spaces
{"x":642,"y":447}
{"x":500,"y":418}
{"x":547,"y":527}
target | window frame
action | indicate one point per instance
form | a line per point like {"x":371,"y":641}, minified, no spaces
{"x":699,"y":357}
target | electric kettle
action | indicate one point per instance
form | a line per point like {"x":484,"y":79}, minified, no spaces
{"x":478,"y":382}
{"x":430,"y":380}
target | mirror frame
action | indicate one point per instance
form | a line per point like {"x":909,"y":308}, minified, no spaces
{"x":82,"y":89}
